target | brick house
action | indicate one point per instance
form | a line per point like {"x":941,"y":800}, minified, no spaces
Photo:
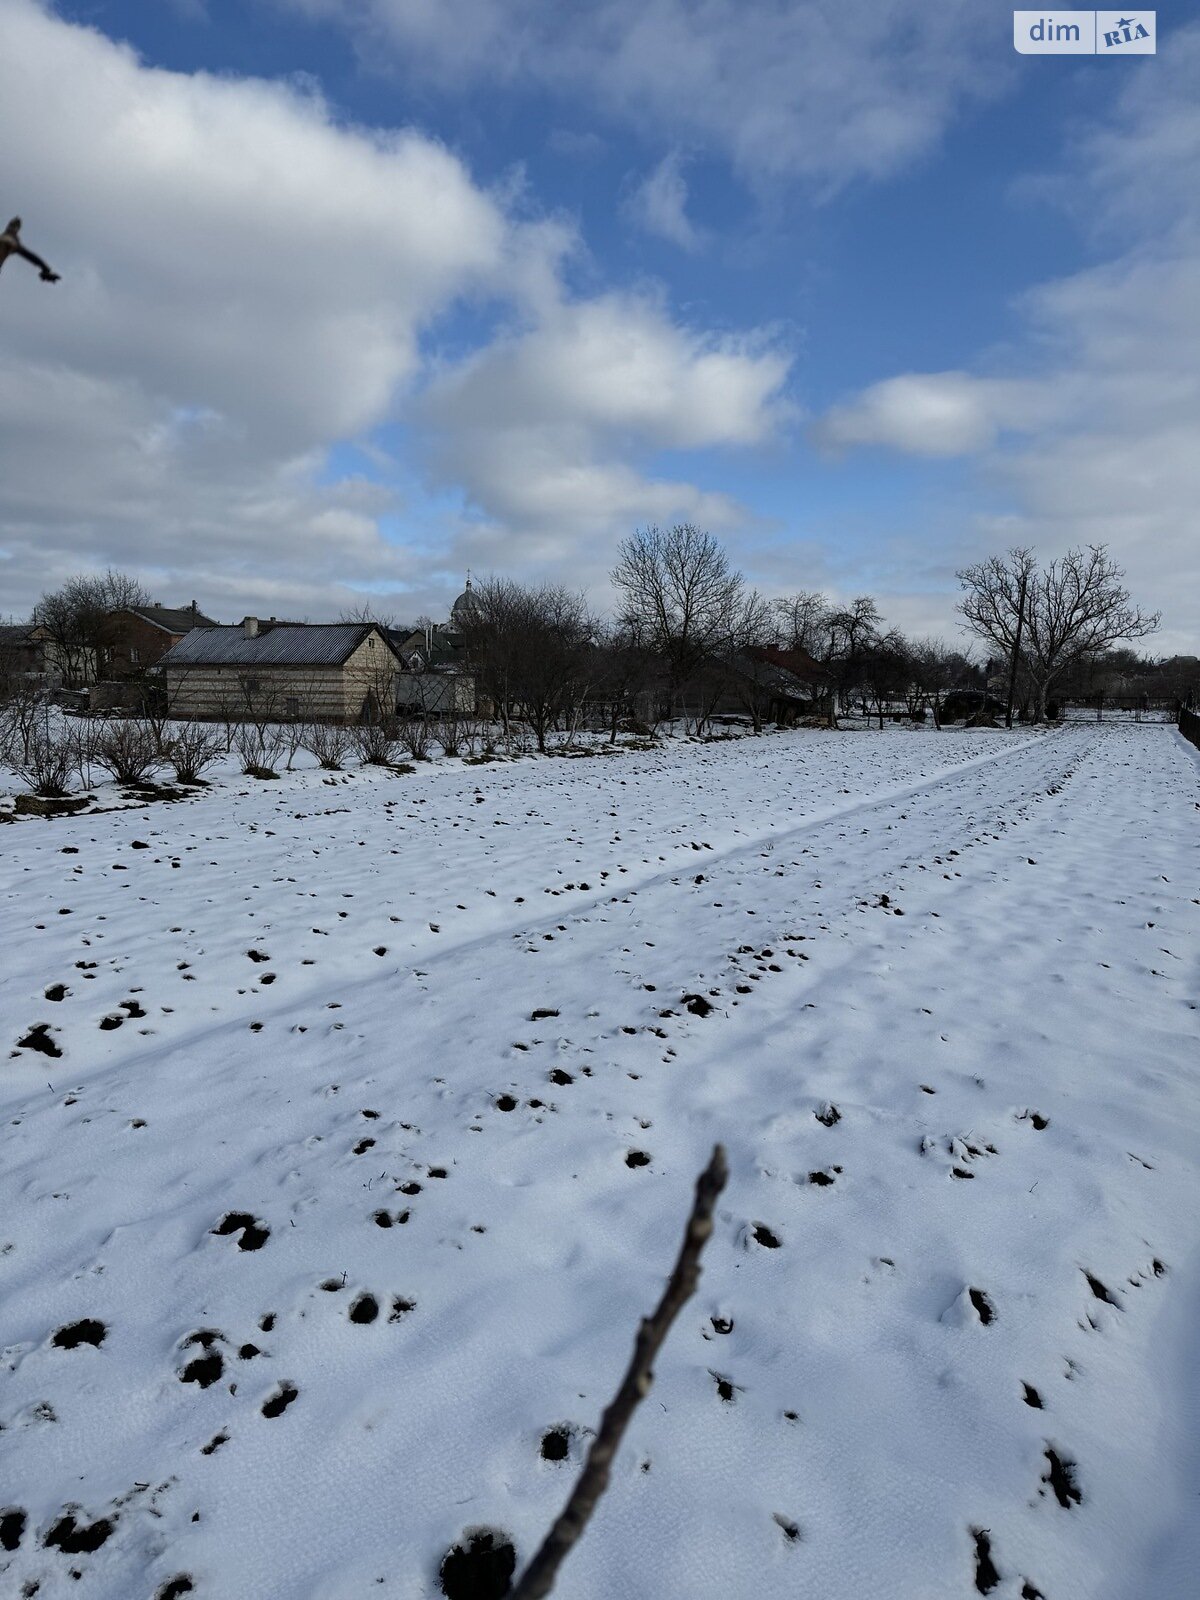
{"x":140,"y":636}
{"x":282,"y":672}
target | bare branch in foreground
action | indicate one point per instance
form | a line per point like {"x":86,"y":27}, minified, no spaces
{"x":538,"y":1578}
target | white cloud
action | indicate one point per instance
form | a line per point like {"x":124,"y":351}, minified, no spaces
{"x":248,"y":281}
{"x":825,"y":90}
{"x":931,"y":414}
{"x":659,"y":204}
{"x":540,"y":428}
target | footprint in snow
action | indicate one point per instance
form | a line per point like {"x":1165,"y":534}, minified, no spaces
{"x":254,"y":1234}
{"x":73,"y":1334}
{"x":278,"y":1402}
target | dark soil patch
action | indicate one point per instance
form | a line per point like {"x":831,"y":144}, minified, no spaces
{"x":637,"y":1158}
{"x":722,"y":1324}
{"x":828,"y":1114}
{"x":697,"y":1005}
{"x":383,"y":1219}
{"x":506,"y":1103}
{"x":556,"y":1444}
{"x":986,"y":1575}
{"x":174,"y":1587}
{"x":78,"y":1538}
{"x":763,"y":1235}
{"x":1060,"y":1475}
{"x":365,"y":1309}
{"x":821,"y":1179}
{"x":558,"y":1076}
{"x":254,"y":1234}
{"x":12,"y":1528}
{"x":73,"y":1334}
{"x":481,"y":1568}
{"x":1030,"y":1396}
{"x":57,"y":991}
{"x":214,"y":1444}
{"x":542,"y":1013}
{"x":204,"y":1370}
{"x":38,"y":1038}
{"x":983,"y":1306}
{"x":400,"y":1308}
{"x":275,"y":1405}
{"x":1101,"y":1291}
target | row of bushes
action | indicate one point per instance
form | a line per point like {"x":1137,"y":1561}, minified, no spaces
{"x":48,"y":751}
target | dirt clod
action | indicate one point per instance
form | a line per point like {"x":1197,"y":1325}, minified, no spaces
{"x":480,"y":1568}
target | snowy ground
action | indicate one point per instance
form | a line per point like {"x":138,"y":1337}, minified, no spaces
{"x":429,"y":1035}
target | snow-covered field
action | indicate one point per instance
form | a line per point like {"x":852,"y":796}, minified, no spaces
{"x":373,"y":1113}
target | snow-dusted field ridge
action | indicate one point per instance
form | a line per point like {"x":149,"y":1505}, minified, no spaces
{"x":375,"y":1113}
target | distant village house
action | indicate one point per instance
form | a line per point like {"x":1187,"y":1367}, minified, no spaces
{"x":283,"y":671}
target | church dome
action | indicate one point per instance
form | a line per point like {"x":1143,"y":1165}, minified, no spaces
{"x":464,"y":607}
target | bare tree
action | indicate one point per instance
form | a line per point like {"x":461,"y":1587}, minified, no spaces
{"x":532,"y":650}
{"x":75,"y":619}
{"x":628,"y":679}
{"x":680,"y":596}
{"x":1048,"y":620}
{"x":367,"y":611}
{"x":936,"y":669}
{"x":801,"y":621}
{"x":886,"y":671}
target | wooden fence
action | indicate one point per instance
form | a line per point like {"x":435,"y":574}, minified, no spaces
{"x":1189,"y":725}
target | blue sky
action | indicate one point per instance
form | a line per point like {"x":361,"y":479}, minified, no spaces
{"x":885,"y":294}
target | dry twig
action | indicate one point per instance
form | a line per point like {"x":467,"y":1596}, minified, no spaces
{"x":538,"y":1578}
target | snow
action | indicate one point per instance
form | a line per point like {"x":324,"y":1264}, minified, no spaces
{"x":979,"y":948}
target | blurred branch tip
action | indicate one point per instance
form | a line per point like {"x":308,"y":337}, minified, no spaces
{"x":538,"y":1578}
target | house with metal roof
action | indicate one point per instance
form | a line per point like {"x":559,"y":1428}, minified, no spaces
{"x":282,"y":672}
{"x":138,"y":636}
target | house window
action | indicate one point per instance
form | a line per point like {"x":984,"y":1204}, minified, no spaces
{"x":134,"y":657}
{"x":291,"y":705}
{"x":371,"y":642}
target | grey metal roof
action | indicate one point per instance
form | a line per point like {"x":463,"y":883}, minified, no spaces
{"x":174,"y":619}
{"x":277,"y":644}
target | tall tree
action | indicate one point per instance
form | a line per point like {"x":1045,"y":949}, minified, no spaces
{"x":1047,"y":620}
{"x":531,"y":647}
{"x":680,"y":595}
{"x":75,"y":618}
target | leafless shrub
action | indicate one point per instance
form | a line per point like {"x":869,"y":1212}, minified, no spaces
{"x":376,"y":742}
{"x":450,"y":736}
{"x":329,"y":742}
{"x":42,"y":756}
{"x":21,"y":716}
{"x":192,"y":747}
{"x":258,"y":746}
{"x":84,"y":736}
{"x":414,"y":736}
{"x":127,"y":748}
